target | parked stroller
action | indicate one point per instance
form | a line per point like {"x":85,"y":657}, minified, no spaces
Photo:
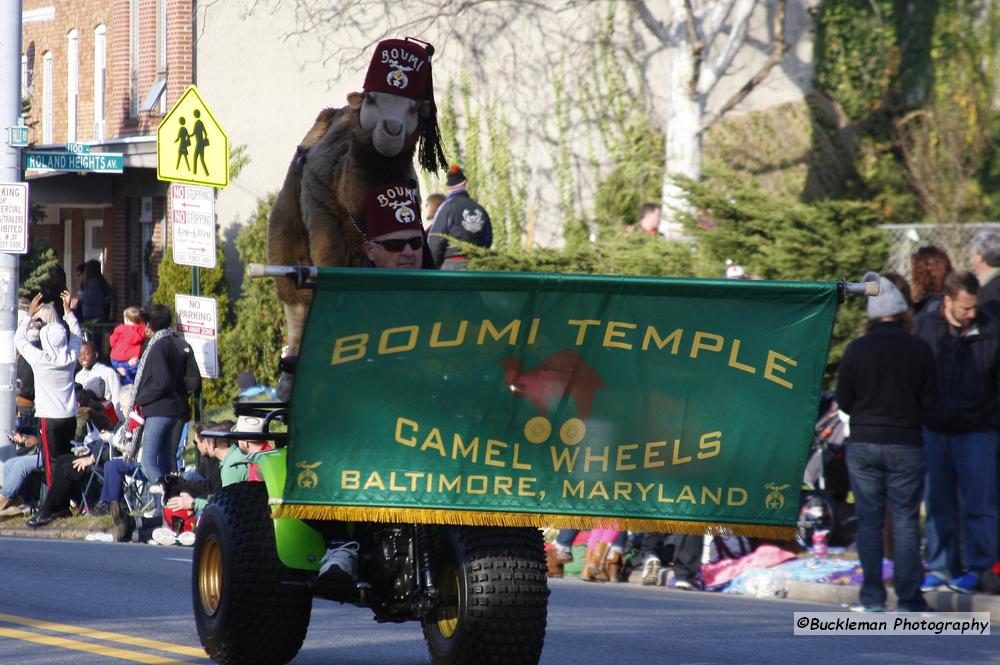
{"x":823,"y":504}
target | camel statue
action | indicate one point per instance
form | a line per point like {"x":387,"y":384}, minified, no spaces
{"x":319,"y":216}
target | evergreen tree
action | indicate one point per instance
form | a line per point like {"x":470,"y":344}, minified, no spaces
{"x":253,"y":343}
{"x":37,"y":270}
{"x":173,"y":279}
{"x":775,"y":238}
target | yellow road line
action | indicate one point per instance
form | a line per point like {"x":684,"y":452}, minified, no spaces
{"x":110,"y":652}
{"x":103,"y":635}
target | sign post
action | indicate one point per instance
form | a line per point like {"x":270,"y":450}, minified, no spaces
{"x":191,"y":146}
{"x":193,"y":149}
{"x":14,"y":217}
{"x":10,"y":172}
{"x":77,"y":162}
{"x":198,"y":323}
{"x":192,"y":213}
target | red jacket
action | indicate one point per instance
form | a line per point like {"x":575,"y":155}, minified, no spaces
{"x":126,"y":341}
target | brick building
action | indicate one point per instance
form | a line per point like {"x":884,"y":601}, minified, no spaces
{"x":102,"y":73}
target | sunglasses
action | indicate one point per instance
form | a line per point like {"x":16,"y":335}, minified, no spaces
{"x":396,"y":245}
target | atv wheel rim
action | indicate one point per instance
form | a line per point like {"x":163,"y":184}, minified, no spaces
{"x":447,"y":614}
{"x":210,"y":576}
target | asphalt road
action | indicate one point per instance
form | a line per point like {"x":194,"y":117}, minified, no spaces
{"x":62,"y":602}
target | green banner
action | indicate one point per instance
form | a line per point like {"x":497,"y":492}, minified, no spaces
{"x":533,"y":399}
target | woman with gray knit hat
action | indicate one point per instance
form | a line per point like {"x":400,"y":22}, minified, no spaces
{"x":886,"y":383}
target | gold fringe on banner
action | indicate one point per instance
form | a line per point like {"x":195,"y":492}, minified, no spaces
{"x":485,"y":518}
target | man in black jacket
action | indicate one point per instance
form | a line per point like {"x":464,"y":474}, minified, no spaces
{"x":961,"y":438}
{"x":460,"y":217}
{"x":886,"y":384}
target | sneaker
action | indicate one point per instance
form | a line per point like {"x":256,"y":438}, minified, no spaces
{"x":186,"y":538}
{"x":561,"y":555}
{"x":164,"y":536}
{"x":340,"y":563}
{"x":967,"y":583}
{"x":867,"y":608}
{"x":685,"y":585}
{"x":124,"y":524}
{"x":651,"y":571}
{"x":933,"y":582}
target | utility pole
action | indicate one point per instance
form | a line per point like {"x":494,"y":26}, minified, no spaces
{"x":10,"y":172}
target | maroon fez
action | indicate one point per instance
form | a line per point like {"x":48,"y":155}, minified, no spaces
{"x":399,"y":67}
{"x":391,"y":208}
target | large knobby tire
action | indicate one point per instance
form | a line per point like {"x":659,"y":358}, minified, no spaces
{"x":246,"y":612}
{"x":494,"y":597}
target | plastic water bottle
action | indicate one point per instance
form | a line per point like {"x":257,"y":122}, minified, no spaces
{"x":819,"y":548}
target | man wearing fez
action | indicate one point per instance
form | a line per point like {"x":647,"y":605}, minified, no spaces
{"x":394,"y":238}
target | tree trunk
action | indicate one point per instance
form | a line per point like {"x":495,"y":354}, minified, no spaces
{"x":683,"y":137}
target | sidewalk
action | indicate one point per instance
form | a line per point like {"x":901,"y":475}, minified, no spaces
{"x":843,"y":596}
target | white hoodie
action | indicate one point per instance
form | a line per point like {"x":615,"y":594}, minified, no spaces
{"x":54,"y":366}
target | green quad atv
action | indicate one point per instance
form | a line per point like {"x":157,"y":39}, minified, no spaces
{"x":480,"y":592}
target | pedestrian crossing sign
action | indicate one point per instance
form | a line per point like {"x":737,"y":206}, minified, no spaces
{"x":191,"y":145}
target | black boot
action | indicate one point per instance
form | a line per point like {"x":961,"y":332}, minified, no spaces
{"x":41,"y":518}
{"x":100,"y":508}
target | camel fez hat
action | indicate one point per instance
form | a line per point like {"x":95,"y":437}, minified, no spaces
{"x":391,"y":208}
{"x":401,"y":67}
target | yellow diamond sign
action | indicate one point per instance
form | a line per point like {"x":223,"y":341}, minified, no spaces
{"x":191,"y":145}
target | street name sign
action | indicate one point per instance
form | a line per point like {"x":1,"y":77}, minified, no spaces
{"x":88,"y":162}
{"x":191,"y":146}
{"x":192,"y":214}
{"x":18,"y":137}
{"x":198,"y":324}
{"x":14,"y":217}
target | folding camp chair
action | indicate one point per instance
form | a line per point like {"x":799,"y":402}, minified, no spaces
{"x":97,"y":470}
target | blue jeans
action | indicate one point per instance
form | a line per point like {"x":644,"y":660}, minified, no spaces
{"x":114,"y":476}
{"x":565,"y":538}
{"x":888,"y":474}
{"x":961,"y":501}
{"x":16,"y":470}
{"x":157,"y":453}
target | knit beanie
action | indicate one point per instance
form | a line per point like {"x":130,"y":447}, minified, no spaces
{"x":888,"y":302}
{"x":455,"y":176}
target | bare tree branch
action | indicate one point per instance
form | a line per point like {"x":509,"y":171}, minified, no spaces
{"x":710,"y":77}
{"x":697,"y":48}
{"x":777,"y":55}
{"x":714,"y":20}
{"x":658,"y":29}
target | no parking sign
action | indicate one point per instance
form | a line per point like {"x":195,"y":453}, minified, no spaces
{"x":197,"y":322}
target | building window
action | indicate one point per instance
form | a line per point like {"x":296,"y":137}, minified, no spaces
{"x":100,"y":74}
{"x":72,"y":83}
{"x":133,"y":49}
{"x":24,"y":76}
{"x":47,"y":116}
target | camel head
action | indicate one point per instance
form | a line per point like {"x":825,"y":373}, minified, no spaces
{"x":391,"y":120}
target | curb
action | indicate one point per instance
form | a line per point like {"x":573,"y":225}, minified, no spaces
{"x":844,"y":596}
{"x":941,"y":601}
